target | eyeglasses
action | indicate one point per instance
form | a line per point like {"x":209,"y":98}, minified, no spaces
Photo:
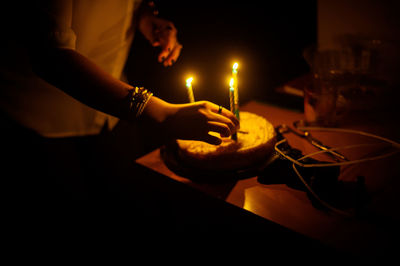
{"x":283,"y":148}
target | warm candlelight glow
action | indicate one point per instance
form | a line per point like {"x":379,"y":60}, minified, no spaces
{"x":235,"y":68}
{"x":234,"y":88}
{"x":189,"y":82}
{"x":232,"y":101}
{"x":231,"y":83}
{"x":231,"y":95}
{"x":190,"y":89}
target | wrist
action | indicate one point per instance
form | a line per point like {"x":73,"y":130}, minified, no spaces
{"x":135,"y":102}
{"x":158,"y":110}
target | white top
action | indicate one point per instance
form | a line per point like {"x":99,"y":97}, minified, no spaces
{"x":102,"y":30}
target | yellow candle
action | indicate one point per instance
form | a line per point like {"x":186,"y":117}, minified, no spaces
{"x":232,"y":95}
{"x":190,"y":89}
{"x":234,"y":87}
{"x":232,"y":101}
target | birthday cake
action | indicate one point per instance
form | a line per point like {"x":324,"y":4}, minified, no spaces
{"x":255,"y":143}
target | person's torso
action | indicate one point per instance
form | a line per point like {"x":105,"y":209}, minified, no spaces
{"x":104,"y":32}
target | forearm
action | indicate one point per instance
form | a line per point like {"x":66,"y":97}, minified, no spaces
{"x":82,"y":79}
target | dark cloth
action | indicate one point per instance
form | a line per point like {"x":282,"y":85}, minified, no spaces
{"x":42,"y":168}
{"x":88,"y":167}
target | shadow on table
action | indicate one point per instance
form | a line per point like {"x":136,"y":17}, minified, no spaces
{"x":323,"y":181}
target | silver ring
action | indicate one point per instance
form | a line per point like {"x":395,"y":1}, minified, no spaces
{"x":220,"y":109}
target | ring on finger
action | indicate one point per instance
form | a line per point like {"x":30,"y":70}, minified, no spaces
{"x":220,"y":109}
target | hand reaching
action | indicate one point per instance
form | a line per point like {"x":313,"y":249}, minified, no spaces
{"x":195,"y":121}
{"x":192,"y":121}
{"x":161,"y":33}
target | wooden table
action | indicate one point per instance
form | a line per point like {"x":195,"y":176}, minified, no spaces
{"x":369,"y":237}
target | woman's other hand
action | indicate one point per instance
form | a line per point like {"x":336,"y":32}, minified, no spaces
{"x":161,"y":33}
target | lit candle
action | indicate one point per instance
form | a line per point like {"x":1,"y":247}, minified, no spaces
{"x":235,"y":89}
{"x":232,"y":101}
{"x":190,"y":89}
{"x":232,"y":95}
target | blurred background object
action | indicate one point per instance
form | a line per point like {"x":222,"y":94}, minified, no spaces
{"x":267,"y":40}
{"x":355,"y":62}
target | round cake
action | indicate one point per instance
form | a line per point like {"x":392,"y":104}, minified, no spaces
{"x":254,"y":145}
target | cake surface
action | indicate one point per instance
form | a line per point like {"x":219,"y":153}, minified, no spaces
{"x":255,"y":143}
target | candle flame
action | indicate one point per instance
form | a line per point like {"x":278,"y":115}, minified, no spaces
{"x":235,"y":67}
{"x":189,"y":82}
{"x":231,"y":83}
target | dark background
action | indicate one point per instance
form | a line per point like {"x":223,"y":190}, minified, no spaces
{"x":267,"y":39}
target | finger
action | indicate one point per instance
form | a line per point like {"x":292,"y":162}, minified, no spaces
{"x":173,"y":55}
{"x":211,"y":139}
{"x":167,"y":38}
{"x":164,"y":54}
{"x":225,"y":112}
{"x":231,"y":116}
{"x":220,"y":128}
{"x":211,"y":111}
{"x":214,"y":116}
{"x":222,"y":119}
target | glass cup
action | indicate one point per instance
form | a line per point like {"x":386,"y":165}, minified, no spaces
{"x":342,"y":85}
{"x":320,"y":102}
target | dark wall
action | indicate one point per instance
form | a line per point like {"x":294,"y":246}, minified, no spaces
{"x":267,"y":39}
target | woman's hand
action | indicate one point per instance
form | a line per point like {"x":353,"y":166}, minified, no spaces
{"x":192,"y":121}
{"x":161,"y":33}
{"x":195,"y":121}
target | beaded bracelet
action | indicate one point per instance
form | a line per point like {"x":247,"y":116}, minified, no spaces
{"x":138,"y":98}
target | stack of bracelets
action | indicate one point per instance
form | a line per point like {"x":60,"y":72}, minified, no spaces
{"x":138,"y":98}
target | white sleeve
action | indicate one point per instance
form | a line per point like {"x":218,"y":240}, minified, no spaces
{"x":52,"y":25}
